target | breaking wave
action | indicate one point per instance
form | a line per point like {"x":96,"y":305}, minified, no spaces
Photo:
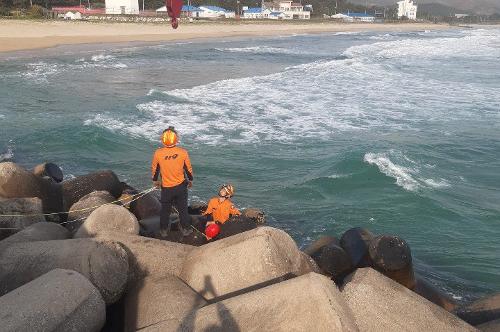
{"x":406,"y":172}
{"x":261,"y":50}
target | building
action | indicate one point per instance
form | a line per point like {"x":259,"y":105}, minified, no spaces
{"x":253,"y":13}
{"x":291,"y":10}
{"x":407,"y":9}
{"x":361,"y":17}
{"x":186,"y":11}
{"x":122,"y":7}
{"x":342,"y":17}
{"x":215,"y":12}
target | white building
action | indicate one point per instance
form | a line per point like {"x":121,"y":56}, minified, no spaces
{"x":215,"y":12}
{"x":253,"y":13}
{"x":406,"y":8}
{"x":123,"y":7}
{"x":73,"y":16}
{"x":291,"y":10}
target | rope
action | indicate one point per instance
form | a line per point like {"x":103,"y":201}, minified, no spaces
{"x":142,"y":193}
{"x":139,"y":196}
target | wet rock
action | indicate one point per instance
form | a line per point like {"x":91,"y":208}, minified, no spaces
{"x":314,"y":249}
{"x":433,"y":294}
{"x":335,"y":262}
{"x":256,"y":214}
{"x":30,"y":207}
{"x":16,"y":182}
{"x":145,"y":207}
{"x":197,"y":208}
{"x":244,"y":261}
{"x":355,"y":242}
{"x":74,"y":189}
{"x":381,"y":304}
{"x":88,"y":204}
{"x":236,"y":225}
{"x":60,"y":300}
{"x":109,"y":218}
{"x":307,"y":303}
{"x":150,"y":257}
{"x":391,"y":256}
{"x":491,"y":326}
{"x":49,"y":170}
{"x":105,"y":264}
{"x":154,"y":300}
{"x":481,"y":311}
{"x":42,"y":231}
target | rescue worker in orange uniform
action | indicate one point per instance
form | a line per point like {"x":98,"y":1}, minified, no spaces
{"x":173,"y":165}
{"x":221,"y":208}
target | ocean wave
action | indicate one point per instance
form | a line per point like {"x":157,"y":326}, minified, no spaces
{"x":407,"y":172}
{"x":101,"y":57}
{"x":261,"y":50}
{"x":8,"y":154}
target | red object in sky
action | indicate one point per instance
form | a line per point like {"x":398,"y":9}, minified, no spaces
{"x":174,"y":8}
{"x":212,"y":231}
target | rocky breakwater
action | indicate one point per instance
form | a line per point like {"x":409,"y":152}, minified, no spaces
{"x":103,"y":274}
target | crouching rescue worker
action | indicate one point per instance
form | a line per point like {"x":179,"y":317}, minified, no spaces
{"x":173,"y":165}
{"x":221,"y":208}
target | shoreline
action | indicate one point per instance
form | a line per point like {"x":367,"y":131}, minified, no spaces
{"x":31,"y":35}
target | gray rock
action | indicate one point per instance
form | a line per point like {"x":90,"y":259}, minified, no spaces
{"x":154,"y":300}
{"x":491,"y":326}
{"x":73,"y":190}
{"x":49,"y":170}
{"x":307,"y":303}
{"x":355,"y":242}
{"x":95,"y":198}
{"x":42,"y":231}
{"x":109,"y":218}
{"x":314,"y":249}
{"x":248,"y":260}
{"x":255,"y":214}
{"x":60,"y":300}
{"x":335,"y":262}
{"x":16,"y":182}
{"x":105,"y":264}
{"x":481,"y":311}
{"x":150,"y":257}
{"x":145,"y":207}
{"x":31,"y":207}
{"x":381,"y":304}
{"x":435,"y":295}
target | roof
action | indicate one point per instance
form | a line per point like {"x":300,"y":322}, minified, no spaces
{"x":79,"y":9}
{"x":215,"y":8}
{"x":187,"y":8}
{"x":256,"y":10}
{"x":276,"y":13}
{"x":358,"y":15}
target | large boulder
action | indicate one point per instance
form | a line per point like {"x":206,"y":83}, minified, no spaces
{"x":391,"y":255}
{"x":381,"y":304}
{"x":60,"y":300}
{"x":481,"y":311}
{"x":85,"y":206}
{"x":16,"y":182}
{"x":307,"y":303}
{"x":335,"y":262}
{"x":150,"y":257}
{"x":248,"y":260}
{"x":314,"y":249}
{"x":154,"y":300}
{"x":491,"y":326}
{"x":236,"y":225}
{"x":30,"y":208}
{"x":73,"y":190}
{"x":49,"y":170}
{"x":42,"y":231}
{"x":105,"y":264}
{"x":109,"y":218}
{"x":145,"y":207}
{"x":355,"y":242}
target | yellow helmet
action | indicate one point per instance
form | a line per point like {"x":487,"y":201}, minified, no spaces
{"x":228,"y":188}
{"x":169,"y":137}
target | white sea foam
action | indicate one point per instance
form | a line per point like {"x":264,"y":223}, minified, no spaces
{"x":8,"y":154}
{"x":408,"y":173}
{"x":101,"y":57}
{"x":261,"y":50}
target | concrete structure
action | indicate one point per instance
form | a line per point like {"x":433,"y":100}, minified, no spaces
{"x":108,"y":218}
{"x":270,"y":256}
{"x":122,"y":7}
{"x":361,"y":17}
{"x":60,"y":300}
{"x":41,"y":231}
{"x":406,"y":8}
{"x":307,"y":303}
{"x":381,"y":304}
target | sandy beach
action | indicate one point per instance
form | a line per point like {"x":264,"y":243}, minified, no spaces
{"x":18,"y":35}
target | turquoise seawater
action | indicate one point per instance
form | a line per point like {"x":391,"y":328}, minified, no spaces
{"x":397,"y":132}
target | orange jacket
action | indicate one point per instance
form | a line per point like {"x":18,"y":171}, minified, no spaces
{"x":173,"y":165}
{"x":221,"y":211}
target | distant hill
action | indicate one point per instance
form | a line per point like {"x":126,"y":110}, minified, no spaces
{"x":487,"y":7}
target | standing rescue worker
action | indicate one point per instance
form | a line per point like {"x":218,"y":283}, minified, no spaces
{"x":173,"y":165}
